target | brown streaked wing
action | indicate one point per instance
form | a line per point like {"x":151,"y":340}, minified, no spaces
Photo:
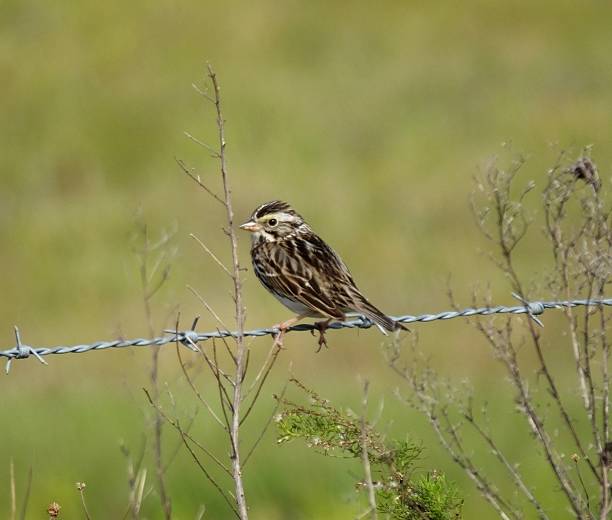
{"x":310,"y":272}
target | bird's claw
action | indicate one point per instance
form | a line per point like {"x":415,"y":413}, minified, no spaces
{"x":280,"y":335}
{"x":321,"y":326}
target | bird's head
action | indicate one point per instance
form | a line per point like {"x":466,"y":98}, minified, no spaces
{"x":274,"y":221}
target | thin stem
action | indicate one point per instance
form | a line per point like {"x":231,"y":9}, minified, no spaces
{"x":177,"y":448}
{"x":132,"y":472}
{"x":588,"y":373}
{"x":175,"y":424}
{"x":158,"y":423}
{"x":365,"y":459}
{"x":225,"y":328}
{"x":26,"y":498}
{"x":509,"y":467}
{"x":279,"y":399}
{"x":533,"y":419}
{"x":605,"y":407}
{"x":214,"y":153}
{"x":507,"y":241}
{"x":218,"y":375}
{"x":206,"y":473}
{"x":81,"y":488}
{"x":195,"y":390}
{"x":198,"y":181}
{"x":13,"y":491}
{"x":240,"y":311}
{"x":262,"y":376}
{"x":211,"y":254}
{"x":426,"y":404}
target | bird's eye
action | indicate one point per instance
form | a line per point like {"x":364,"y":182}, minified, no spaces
{"x":272,"y":222}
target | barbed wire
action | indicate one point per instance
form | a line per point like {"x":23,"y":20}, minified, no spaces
{"x":191,"y":338}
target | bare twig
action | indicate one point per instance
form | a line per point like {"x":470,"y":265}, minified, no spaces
{"x":262,"y":376}
{"x":508,"y":235}
{"x":501,"y":341}
{"x":178,"y":447}
{"x":81,"y":488}
{"x":198,"y":181}
{"x":512,"y":470}
{"x":271,"y":417}
{"x":240,"y":311}
{"x":175,"y":424}
{"x":148,"y":291}
{"x":26,"y":497}
{"x":227,"y":347}
{"x":425,"y":400}
{"x":208,"y":307}
{"x":206,"y":473}
{"x":272,"y":353}
{"x":141,"y":480}
{"x":224,"y":399}
{"x":581,"y":253}
{"x":214,"y":153}
{"x":13,"y":490}
{"x":365,"y":459}
{"x":585,"y":491}
{"x":230,"y":382}
{"x":211,"y":254}
{"x":133,"y":476}
{"x":196,"y":391}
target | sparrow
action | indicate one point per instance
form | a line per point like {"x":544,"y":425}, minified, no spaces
{"x":303,"y":272}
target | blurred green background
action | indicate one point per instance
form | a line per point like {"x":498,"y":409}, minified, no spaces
{"x":370,"y":118}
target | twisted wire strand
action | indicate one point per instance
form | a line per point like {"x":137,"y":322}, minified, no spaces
{"x":190,"y":338}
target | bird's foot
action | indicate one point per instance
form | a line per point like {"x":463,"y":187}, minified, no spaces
{"x":321,"y":326}
{"x":282,"y":328}
{"x":279,"y":337}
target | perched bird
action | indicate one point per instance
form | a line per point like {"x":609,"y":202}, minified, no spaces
{"x":303,"y":272}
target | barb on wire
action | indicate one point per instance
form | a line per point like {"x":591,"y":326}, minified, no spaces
{"x":190,"y":338}
{"x":21,"y":351}
{"x":531,"y":308}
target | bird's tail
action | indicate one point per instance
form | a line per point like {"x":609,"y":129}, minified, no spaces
{"x":382,"y":321}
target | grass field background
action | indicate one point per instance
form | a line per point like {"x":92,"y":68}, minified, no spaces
{"x":371,"y":119}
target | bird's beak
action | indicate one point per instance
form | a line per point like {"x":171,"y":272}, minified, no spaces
{"x":251,"y":226}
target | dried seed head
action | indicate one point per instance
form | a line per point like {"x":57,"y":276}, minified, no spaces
{"x":53,"y":510}
{"x":586,"y":170}
{"x":575,"y":457}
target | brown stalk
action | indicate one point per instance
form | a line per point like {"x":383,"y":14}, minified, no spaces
{"x":231,"y":388}
{"x":365,"y":459}
{"x":133,"y":470}
{"x":582,"y":258}
{"x":206,"y":473}
{"x":240,"y":311}
{"x":262,"y":376}
{"x":81,"y":489}
{"x":230,"y":404}
{"x":197,"y":180}
{"x":148,"y":293}
{"x":13,"y":490}
{"x":504,"y":345}
{"x":516,"y":476}
{"x":195,"y":389}
{"x":426,"y":402}
{"x":211,"y":254}
{"x":278,"y":400}
{"x":185,"y":434}
{"x":26,"y":498}
{"x":508,"y":240}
